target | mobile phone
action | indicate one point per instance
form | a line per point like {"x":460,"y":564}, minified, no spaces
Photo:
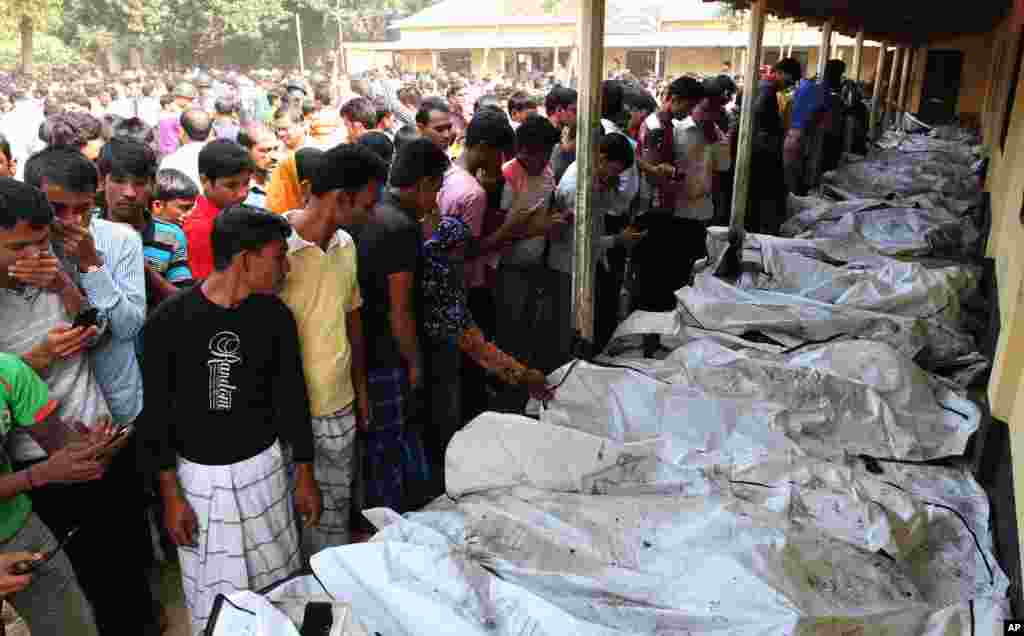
{"x":86,"y":318}
{"x":318,"y":619}
{"x":120,"y":434}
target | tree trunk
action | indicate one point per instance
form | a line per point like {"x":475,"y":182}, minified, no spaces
{"x":113,"y":64}
{"x":342,"y":57}
{"x":27,"y":31}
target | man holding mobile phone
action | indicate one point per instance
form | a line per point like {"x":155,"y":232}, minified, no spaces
{"x":105,"y":260}
{"x":49,"y":598}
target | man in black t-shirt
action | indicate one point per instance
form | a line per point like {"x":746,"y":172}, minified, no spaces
{"x":226,"y":388}
{"x":389,"y":276}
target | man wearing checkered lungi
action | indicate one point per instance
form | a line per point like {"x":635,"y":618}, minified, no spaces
{"x":322,"y":290}
{"x":390,"y":265}
{"x":225,"y":389}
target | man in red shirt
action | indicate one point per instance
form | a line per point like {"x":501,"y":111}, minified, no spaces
{"x":224,"y":170}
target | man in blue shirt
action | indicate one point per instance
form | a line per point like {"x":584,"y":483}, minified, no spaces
{"x":807,"y":104}
{"x":105,"y":259}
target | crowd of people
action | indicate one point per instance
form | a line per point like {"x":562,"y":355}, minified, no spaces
{"x":252,"y":309}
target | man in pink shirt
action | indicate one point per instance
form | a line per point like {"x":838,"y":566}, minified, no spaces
{"x":525,"y":279}
{"x":463,"y":195}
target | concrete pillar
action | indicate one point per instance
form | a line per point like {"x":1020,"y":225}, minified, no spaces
{"x":744,"y":151}
{"x":434,"y":61}
{"x":504,"y":66}
{"x":657,"y":62}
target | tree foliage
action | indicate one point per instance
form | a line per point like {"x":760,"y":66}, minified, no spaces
{"x":47,"y":50}
{"x":179,"y":32}
{"x":41,"y":12}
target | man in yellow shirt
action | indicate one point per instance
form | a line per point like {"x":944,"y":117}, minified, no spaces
{"x":322,"y":290}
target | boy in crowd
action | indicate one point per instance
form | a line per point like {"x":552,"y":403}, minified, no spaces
{"x":164,"y":242}
{"x":520,"y":106}
{"x":225,"y":169}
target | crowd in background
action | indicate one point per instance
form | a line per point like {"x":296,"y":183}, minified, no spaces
{"x":240,"y":309}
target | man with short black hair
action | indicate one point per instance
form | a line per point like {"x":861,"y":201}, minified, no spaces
{"x":360,"y":117}
{"x":225,"y":170}
{"x":389,"y":277}
{"x":325,"y":124}
{"x":560,"y":108}
{"x":226,"y":391}
{"x":105,"y":260}
{"x":290,"y":128}
{"x":225,"y":121}
{"x":434,"y":122}
{"x":322,"y":290}
{"x":520,"y":106}
{"x":196,"y":126}
{"x":265,"y":150}
{"x":674,"y":160}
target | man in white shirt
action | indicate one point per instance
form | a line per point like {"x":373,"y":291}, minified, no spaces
{"x":196,"y":126}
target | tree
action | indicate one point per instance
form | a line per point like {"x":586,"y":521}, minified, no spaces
{"x":181,"y":32}
{"x":26,"y":17}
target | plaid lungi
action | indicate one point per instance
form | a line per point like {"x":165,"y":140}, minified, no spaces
{"x":394,"y":449}
{"x":334,"y":439}
{"x":247,"y":536}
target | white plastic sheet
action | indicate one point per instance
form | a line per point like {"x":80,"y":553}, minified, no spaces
{"x":279,"y":611}
{"x":694,"y":495}
{"x":910,"y":227}
{"x":797,"y":554}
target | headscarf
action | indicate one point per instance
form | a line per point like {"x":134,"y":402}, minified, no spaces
{"x":73,"y":129}
{"x":446,"y":314}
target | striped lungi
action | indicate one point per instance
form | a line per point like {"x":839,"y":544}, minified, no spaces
{"x":334,"y":440}
{"x":248,"y":537}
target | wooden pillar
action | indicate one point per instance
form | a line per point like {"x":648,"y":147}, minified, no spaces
{"x":591,"y":39}
{"x":890,"y":90}
{"x":858,"y":56}
{"x":823,"y":51}
{"x":876,"y":94}
{"x":900,"y":107}
{"x":858,"y":62}
{"x":744,"y":152}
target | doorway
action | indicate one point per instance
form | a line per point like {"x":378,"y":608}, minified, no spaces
{"x":640,"y":63}
{"x":941,"y":89}
{"x":460,"y":62}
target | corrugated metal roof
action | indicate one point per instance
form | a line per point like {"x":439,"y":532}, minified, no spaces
{"x":621,"y":15}
{"x":908,"y":21}
{"x":689,"y":38}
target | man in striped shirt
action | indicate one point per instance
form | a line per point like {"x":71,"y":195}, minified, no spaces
{"x":104,"y":260}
